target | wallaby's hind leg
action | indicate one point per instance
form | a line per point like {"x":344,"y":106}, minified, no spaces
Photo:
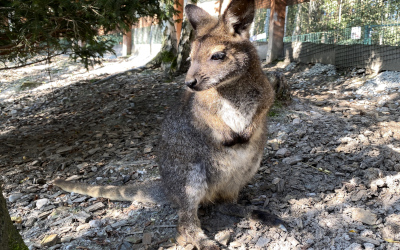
{"x":187,"y":186}
{"x":189,"y":231}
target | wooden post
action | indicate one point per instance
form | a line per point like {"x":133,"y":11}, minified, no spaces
{"x":127,"y":43}
{"x":276,"y":29}
{"x":178,"y":25}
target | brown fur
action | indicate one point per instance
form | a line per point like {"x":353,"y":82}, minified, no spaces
{"x":212,"y":141}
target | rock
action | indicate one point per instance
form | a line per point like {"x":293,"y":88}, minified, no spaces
{"x":292,"y":160}
{"x":133,"y":239}
{"x":146,"y":238}
{"x":83,"y":227}
{"x":391,"y":229}
{"x":125,"y":246}
{"x":274,"y":145}
{"x":369,"y":240}
{"x":12,"y":198}
{"x":293,"y":241}
{"x":364,"y":216}
{"x":64,"y":150}
{"x":262,"y":242}
{"x":93,"y":151}
{"x":223,"y":237}
{"x":82,"y":217}
{"x":41,"y":202}
{"x":29,"y":222}
{"x":66,"y":239}
{"x":94,"y":207}
{"x":296,"y":121}
{"x":50,"y":240}
{"x":119,"y":224}
{"x":283,"y":152}
{"x":354,"y":246}
{"x":95,"y":223}
{"x":369,"y":246}
{"x":280,"y":184}
{"x":147,"y":149}
{"x":359,"y":195}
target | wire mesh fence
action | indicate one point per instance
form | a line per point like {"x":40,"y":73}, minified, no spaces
{"x":344,"y":32}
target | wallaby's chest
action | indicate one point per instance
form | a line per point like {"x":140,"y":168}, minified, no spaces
{"x":237,"y":117}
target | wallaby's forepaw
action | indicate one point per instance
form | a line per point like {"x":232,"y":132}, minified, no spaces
{"x":268,"y":219}
{"x":235,"y":138}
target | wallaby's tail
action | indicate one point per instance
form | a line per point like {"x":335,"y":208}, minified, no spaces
{"x":148,"y":191}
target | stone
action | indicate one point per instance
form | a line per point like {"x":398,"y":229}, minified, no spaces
{"x":262,"y":242}
{"x":223,"y":237}
{"x":50,"y":240}
{"x":30,"y":222}
{"x":292,"y":160}
{"x":147,"y":149}
{"x":41,"y":202}
{"x":12,"y":198}
{"x":64,"y":150}
{"x":146,"y":238}
{"x":364,"y":216}
{"x":369,"y":246}
{"x":94,"y":207}
{"x":296,"y":121}
{"x":354,"y":246}
{"x":391,"y":229}
{"x":82,"y":227}
{"x":125,"y":246}
{"x":282,"y":152}
{"x":82,"y":217}
{"x":133,"y":239}
{"x":95,"y":223}
{"x":119,"y":224}
{"x":369,"y":240}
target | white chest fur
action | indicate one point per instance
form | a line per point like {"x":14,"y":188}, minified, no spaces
{"x":236,"y":118}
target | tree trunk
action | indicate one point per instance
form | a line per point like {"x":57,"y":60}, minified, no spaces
{"x":171,"y":58}
{"x":10,"y":239}
{"x":187,"y":36}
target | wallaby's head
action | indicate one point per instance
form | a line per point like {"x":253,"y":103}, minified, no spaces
{"x":221,"y":51}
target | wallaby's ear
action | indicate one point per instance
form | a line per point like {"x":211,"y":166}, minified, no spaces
{"x":197,"y":16}
{"x":238,"y":17}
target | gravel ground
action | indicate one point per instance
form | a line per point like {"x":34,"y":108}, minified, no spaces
{"x":331,"y":165}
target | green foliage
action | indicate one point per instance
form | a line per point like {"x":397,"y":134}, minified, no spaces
{"x":167,"y":56}
{"x":35,"y":29}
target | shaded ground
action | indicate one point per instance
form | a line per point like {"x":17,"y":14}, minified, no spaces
{"x":331,"y":166}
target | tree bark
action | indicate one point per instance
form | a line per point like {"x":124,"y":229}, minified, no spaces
{"x":10,"y":239}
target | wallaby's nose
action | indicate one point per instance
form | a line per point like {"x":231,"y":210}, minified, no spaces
{"x":191,"y":83}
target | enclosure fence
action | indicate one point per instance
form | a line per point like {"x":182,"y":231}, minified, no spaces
{"x":346,"y":33}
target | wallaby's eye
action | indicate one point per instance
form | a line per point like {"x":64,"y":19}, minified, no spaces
{"x":218,"y":56}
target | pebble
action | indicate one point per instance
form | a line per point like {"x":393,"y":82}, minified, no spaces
{"x":364,"y":216}
{"x":282,"y":152}
{"x":50,"y":240}
{"x":354,"y":246}
{"x":41,"y":202}
{"x":14,"y":197}
{"x":262,"y":242}
{"x":292,"y":160}
{"x":223,"y":237}
{"x":95,"y":223}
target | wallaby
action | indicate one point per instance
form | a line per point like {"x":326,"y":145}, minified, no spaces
{"x":212,"y":142}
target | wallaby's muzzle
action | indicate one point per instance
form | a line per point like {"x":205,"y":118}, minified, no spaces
{"x":191,"y":83}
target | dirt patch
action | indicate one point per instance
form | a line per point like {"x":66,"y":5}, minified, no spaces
{"x":331,"y":165}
